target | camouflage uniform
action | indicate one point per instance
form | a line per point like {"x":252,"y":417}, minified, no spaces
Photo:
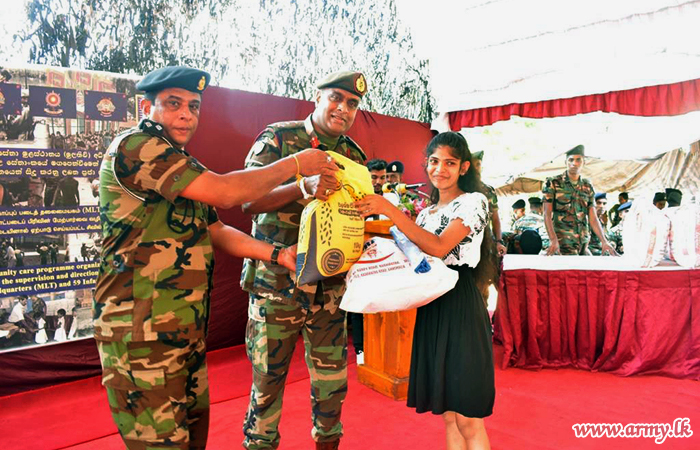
{"x":570,"y":206}
{"x":615,"y":238}
{"x":532,"y":221}
{"x":279,"y":311}
{"x":490,"y":194}
{"x":595,"y":246}
{"x":151,"y":302}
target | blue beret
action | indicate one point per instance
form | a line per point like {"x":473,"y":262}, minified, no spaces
{"x":624,"y":206}
{"x":395,"y":167}
{"x":349,"y":81}
{"x":519,"y":204}
{"x":183,"y":77}
{"x":600,"y":195}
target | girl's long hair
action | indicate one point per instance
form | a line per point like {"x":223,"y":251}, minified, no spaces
{"x":486,"y":272}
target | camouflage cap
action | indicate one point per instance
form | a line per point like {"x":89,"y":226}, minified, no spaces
{"x":578,"y":150}
{"x":478,"y":155}
{"x":353,"y":82}
{"x":659,"y":197}
{"x":183,"y":77}
{"x":395,"y":167}
{"x":519,"y":204}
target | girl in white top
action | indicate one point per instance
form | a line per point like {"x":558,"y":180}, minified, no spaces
{"x":60,"y":335}
{"x":452,"y":370}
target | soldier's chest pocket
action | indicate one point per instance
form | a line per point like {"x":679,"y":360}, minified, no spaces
{"x":563,"y":202}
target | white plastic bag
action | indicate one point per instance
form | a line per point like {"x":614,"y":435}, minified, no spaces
{"x":383,"y":280}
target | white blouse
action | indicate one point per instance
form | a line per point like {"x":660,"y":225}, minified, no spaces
{"x":472,"y":209}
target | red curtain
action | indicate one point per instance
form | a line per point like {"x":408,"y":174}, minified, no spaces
{"x":621,"y":322}
{"x":661,"y":100}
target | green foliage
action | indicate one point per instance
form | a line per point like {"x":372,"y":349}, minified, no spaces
{"x":280,"y":47}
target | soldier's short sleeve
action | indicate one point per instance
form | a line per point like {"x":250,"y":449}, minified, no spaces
{"x":591,"y":197}
{"x":265,"y":150}
{"x":212,"y":216}
{"x":548,"y":190}
{"x":147,"y":163}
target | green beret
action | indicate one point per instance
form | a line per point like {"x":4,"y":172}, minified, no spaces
{"x":578,"y":150}
{"x":674,"y":196}
{"x":535,"y":200}
{"x":395,"y":167}
{"x":519,"y":204}
{"x":350,"y":81}
{"x":478,"y":155}
{"x":183,"y":77}
{"x":659,"y":197}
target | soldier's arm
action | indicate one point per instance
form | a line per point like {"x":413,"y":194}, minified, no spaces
{"x":598,"y":230}
{"x":237,"y":187}
{"x":549,"y":225}
{"x":239,"y":244}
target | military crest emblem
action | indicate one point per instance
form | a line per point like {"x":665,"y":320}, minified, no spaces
{"x":202,"y":84}
{"x":361,"y":84}
{"x":106,"y":107}
{"x":53,"y":104}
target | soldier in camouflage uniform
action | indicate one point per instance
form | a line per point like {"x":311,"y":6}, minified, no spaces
{"x":490,"y":193}
{"x":615,"y":234}
{"x":569,"y":207}
{"x":279,"y":311}
{"x":159,"y":224}
{"x":601,"y":201}
{"x":533,"y":220}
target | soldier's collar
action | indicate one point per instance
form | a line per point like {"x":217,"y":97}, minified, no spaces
{"x":319,"y":140}
{"x":152,"y":128}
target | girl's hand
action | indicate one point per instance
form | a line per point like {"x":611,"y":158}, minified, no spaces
{"x":373,"y":204}
{"x":288,"y":258}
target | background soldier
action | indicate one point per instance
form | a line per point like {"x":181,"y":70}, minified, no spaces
{"x":279,"y":310}
{"x":622,"y":197}
{"x":601,"y":201}
{"x":616,"y":231}
{"x":659,"y":200}
{"x":159,"y":224}
{"x":673,"y":197}
{"x":490,"y":193}
{"x":533,"y":220}
{"x":569,"y":207}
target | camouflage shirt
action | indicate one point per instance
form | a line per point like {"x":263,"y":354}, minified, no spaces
{"x":282,"y":226}
{"x":595,"y":246}
{"x":157,"y":259}
{"x":570,"y":205}
{"x":533,"y":221}
{"x":490,"y":194}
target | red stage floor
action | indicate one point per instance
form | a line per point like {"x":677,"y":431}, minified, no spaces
{"x":534,"y":410}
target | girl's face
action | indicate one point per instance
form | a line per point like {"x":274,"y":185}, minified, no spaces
{"x":444,"y":168}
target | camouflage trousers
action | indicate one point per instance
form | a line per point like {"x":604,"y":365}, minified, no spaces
{"x":571,"y":243}
{"x":271,"y":335}
{"x":158,"y":392}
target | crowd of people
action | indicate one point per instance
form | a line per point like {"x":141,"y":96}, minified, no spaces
{"x":574,"y":216}
{"x":91,"y":140}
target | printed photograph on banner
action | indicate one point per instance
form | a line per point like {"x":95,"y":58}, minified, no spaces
{"x":55,"y":126}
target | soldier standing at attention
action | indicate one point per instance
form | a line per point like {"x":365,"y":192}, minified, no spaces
{"x":569,"y":207}
{"x":278,"y":310}
{"x":601,"y":201}
{"x":159,"y":224}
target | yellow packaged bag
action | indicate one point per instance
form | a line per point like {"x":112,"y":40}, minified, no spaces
{"x":331,"y":232}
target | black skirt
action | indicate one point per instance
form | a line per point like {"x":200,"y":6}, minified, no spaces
{"x":452,"y":356}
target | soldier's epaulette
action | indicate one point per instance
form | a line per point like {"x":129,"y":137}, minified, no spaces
{"x":152,"y":128}
{"x":356,"y":146}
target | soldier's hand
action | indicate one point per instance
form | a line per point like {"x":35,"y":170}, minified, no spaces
{"x":608,"y":249}
{"x":322,"y":186}
{"x":313,"y":162}
{"x":288,"y":258}
{"x":553,"y":249}
{"x":501,"y":249}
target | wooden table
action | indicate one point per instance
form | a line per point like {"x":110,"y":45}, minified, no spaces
{"x":388,"y":338}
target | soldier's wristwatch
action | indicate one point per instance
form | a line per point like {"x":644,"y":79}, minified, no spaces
{"x":275,"y":255}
